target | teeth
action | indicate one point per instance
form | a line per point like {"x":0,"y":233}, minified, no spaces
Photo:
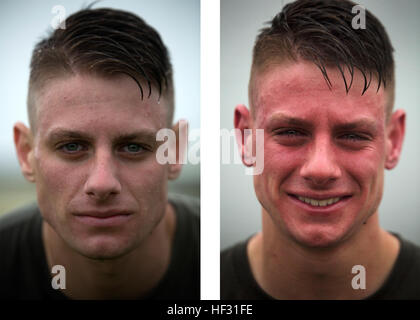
{"x":319,"y":203}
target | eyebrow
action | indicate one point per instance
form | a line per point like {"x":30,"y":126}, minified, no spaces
{"x":359,"y":123}
{"x":294,"y":121}
{"x":363,"y":123}
{"x":57,"y":134}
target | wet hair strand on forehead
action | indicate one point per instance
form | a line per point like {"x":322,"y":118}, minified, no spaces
{"x":321,"y":31}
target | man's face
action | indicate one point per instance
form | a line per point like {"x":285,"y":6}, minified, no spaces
{"x":98,"y":182}
{"x":324,"y":152}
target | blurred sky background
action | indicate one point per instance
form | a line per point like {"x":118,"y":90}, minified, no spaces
{"x":240,"y":22}
{"x":23,"y":23}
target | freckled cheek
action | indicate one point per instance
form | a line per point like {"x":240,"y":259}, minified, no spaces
{"x":57,"y":184}
{"x":366,"y":169}
{"x":52,"y":175}
{"x":279,"y":163}
{"x":366,"y":176}
{"x":146,"y":180}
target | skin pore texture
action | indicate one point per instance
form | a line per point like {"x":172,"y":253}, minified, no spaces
{"x":101,"y":191}
{"x":328,"y":148}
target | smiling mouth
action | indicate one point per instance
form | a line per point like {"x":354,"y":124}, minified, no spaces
{"x":319,"y":202}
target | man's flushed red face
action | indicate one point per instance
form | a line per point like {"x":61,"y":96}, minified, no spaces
{"x":99,"y":184}
{"x":324,"y":151}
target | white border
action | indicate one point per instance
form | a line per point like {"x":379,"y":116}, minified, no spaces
{"x":210,"y":150}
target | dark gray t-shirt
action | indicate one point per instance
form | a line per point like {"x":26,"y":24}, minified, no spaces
{"x":238,"y":283}
{"x":24,"y":271}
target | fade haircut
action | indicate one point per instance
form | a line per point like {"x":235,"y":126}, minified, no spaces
{"x":104,"y":42}
{"x":320,"y":31}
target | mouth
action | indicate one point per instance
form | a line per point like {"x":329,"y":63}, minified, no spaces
{"x":103,"y":219}
{"x":103,"y":214}
{"x":319,"y":202}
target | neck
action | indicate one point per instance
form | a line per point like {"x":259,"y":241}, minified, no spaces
{"x":128,"y":277}
{"x":286,"y":269}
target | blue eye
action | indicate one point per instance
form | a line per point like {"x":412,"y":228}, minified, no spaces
{"x":72,"y":147}
{"x":133,"y":148}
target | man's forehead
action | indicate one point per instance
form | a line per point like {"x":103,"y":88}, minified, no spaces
{"x":84,"y":100}
{"x":88,"y":88}
{"x":302,"y":85}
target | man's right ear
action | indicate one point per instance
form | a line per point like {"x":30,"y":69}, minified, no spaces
{"x":24,"y":148}
{"x":242,"y":122}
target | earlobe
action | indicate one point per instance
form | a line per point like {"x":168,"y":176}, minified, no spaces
{"x":181,"y":133}
{"x":395,"y":138}
{"x":24,"y":148}
{"x":174,"y":171}
{"x":242,"y":123}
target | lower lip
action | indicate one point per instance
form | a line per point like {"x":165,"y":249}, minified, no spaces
{"x":321,"y":210}
{"x":104,"y":222}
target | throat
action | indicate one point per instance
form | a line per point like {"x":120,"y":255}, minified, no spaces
{"x":286,"y":270}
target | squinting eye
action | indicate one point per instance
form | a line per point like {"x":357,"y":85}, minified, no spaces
{"x":133,"y":148}
{"x":353,"y":137}
{"x":289,"y":133}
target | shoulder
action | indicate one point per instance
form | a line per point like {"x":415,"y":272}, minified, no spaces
{"x":404,"y":280}
{"x":183,"y":276}
{"x":186,"y":204}
{"x":237,"y":281}
{"x":187,"y":211}
{"x":19,"y":239}
{"x":413,"y":250}
{"x":235,"y":271}
{"x":230,"y":256}
{"x":411,"y":262}
{"x":19,"y":218}
{"x":233,"y":258}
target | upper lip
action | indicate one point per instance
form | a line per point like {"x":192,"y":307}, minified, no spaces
{"x":103,"y":214}
{"x":319,"y":196}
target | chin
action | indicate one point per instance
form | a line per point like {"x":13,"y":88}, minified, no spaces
{"x":104,"y":249}
{"x":318,"y":237}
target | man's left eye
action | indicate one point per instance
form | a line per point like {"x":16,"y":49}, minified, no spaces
{"x":133,"y":148}
{"x":72,"y":147}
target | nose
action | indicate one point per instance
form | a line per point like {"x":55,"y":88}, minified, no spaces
{"x":321,"y":167}
{"x":102,"y":181}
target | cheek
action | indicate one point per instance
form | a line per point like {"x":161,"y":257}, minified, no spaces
{"x":53,"y":178}
{"x":367,"y":171}
{"x":280,"y":160}
{"x":372,"y":178}
{"x":279,"y":164}
{"x":56,"y":185}
{"x":146,"y":180}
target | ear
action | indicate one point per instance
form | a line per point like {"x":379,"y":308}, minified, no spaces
{"x":394,"y":138}
{"x":242,"y":122}
{"x":181,"y":134}
{"x":24,"y":148}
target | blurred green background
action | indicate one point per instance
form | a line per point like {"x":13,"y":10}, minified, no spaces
{"x":14,"y":191}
